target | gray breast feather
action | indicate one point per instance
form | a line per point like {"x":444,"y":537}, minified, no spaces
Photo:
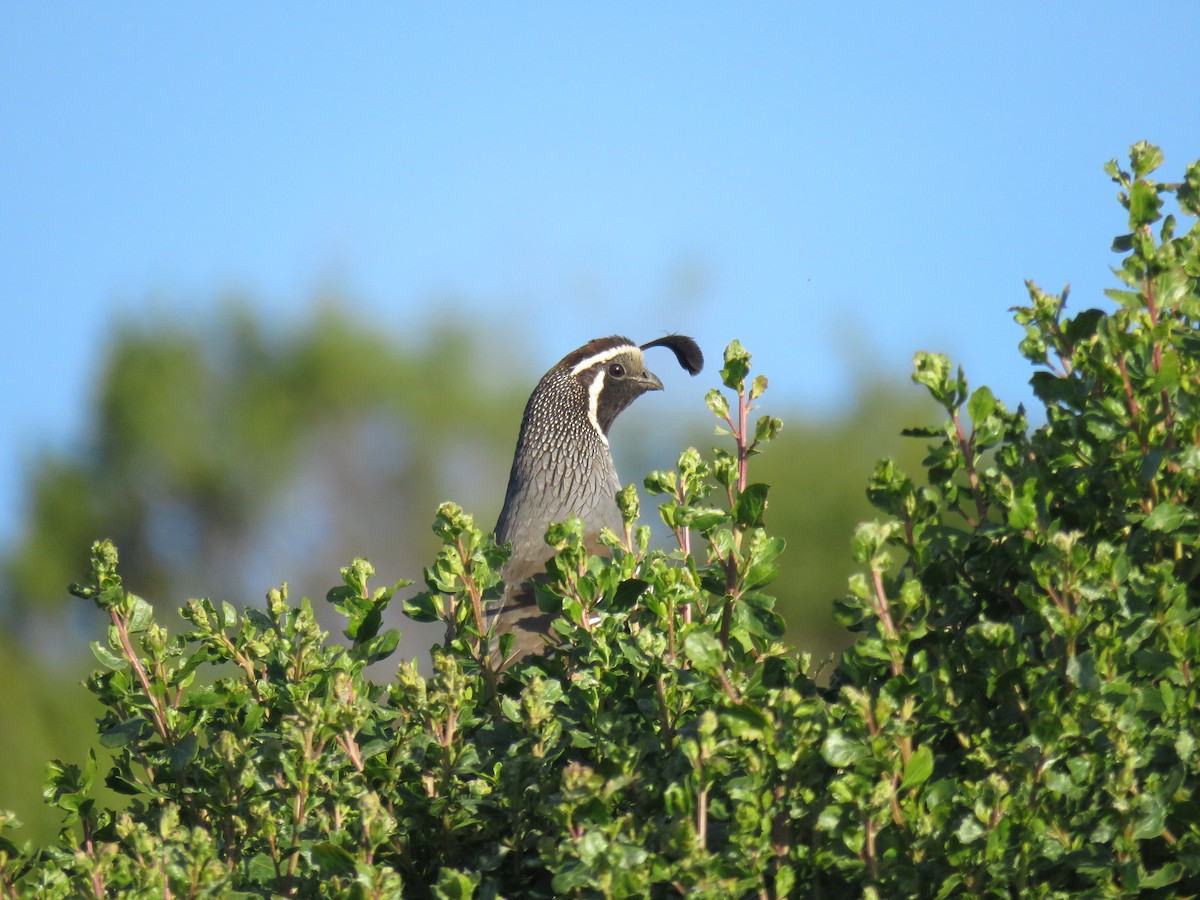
{"x":551,"y":491}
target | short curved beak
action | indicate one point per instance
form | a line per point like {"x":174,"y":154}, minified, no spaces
{"x":648,"y":381}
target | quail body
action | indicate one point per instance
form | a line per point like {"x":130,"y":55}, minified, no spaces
{"x":563,"y":467}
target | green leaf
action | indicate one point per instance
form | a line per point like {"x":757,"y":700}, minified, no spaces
{"x":511,"y":708}
{"x":123,"y":733}
{"x":703,"y":650}
{"x":1144,"y":158}
{"x":918,"y":768}
{"x":746,"y":722}
{"x":751,"y":505}
{"x":379,"y":647}
{"x":1169,"y":874}
{"x":1151,"y":463}
{"x":767,"y":429}
{"x":343,"y":597}
{"x":717,"y":404}
{"x":1144,"y":204}
{"x":454,"y":885}
{"x":332,"y":859}
{"x":1083,"y":326}
{"x":107,"y":657}
{"x":737,"y":366}
{"x":184,"y":752}
{"x":141,"y":614}
{"x":627,"y":593}
{"x":924,"y":431}
{"x":260,"y":869}
{"x":933,"y":371}
{"x":374,"y":748}
{"x":1054,"y":389}
{"x":1168,"y":517}
{"x":1122,"y":243}
{"x":785,"y":881}
{"x":705,"y":520}
{"x":1188,"y":193}
{"x":629,"y":504}
{"x":1151,"y":817}
{"x":1023,"y":512}
{"x":840,"y":750}
{"x":970,"y":830}
{"x":659,"y":482}
{"x":1081,"y":672}
{"x":830,"y":818}
{"x":760,"y":574}
{"x":981,"y":405}
{"x":423,"y":607}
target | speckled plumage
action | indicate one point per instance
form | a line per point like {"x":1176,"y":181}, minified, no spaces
{"x":563,"y":466}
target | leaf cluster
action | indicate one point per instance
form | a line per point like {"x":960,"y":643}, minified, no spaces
{"x":1018,"y":714}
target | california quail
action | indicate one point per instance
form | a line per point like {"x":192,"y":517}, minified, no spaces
{"x":563,"y":467}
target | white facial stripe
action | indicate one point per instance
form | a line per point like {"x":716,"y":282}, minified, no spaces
{"x":594,"y":390}
{"x":602,"y":356}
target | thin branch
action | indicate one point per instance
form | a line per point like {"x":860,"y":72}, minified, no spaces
{"x":160,"y":721}
{"x":883,"y":609}
{"x":968,"y":451}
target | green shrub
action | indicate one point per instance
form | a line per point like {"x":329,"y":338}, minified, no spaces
{"x":1018,"y":716}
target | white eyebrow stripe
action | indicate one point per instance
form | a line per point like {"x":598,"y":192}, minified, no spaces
{"x":594,"y":390}
{"x":602,"y":356}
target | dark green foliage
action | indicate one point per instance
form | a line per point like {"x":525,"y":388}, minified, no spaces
{"x":1018,"y":716}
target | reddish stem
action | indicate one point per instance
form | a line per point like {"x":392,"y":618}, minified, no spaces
{"x":742,"y":445}
{"x":1152,"y":308}
{"x":160,"y":721}
{"x":969,"y":459}
{"x":885,"y":616}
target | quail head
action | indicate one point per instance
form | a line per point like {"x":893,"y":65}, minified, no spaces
{"x":563,"y":467}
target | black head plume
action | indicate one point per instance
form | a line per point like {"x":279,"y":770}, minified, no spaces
{"x":685,"y":349}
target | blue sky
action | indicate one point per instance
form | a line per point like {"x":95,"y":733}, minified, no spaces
{"x":836,"y":185}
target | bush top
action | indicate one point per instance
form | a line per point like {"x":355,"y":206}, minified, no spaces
{"x":1017,"y":715}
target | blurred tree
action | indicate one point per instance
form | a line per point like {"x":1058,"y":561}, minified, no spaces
{"x":50,"y":715}
{"x":226,"y":458}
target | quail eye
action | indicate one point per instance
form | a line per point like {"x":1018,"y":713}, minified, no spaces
{"x":616,"y":370}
